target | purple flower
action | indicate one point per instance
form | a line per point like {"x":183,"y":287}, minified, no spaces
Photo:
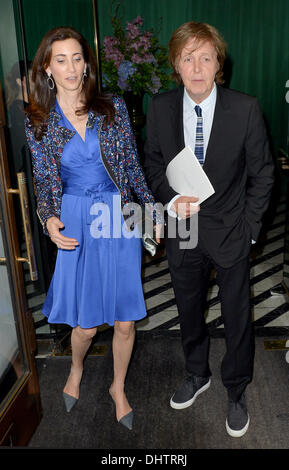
{"x":143,"y":59}
{"x":126,"y":69}
{"x":156,"y":84}
{"x":149,"y":58}
{"x":111,"y":51}
{"x":110,"y":43}
{"x":142,"y":43}
{"x":122,"y":84}
{"x":131,"y":58}
{"x":132,"y":31}
{"x":136,"y":59}
{"x":145,"y":42}
{"x":138,"y":20}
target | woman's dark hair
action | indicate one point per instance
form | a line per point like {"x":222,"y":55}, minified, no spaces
{"x":43,"y":98}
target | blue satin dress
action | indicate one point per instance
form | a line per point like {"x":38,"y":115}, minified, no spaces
{"x":100,"y":280}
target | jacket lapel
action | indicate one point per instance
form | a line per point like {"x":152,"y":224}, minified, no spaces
{"x":59,"y":137}
{"x":218,"y":134}
{"x":177,"y":140}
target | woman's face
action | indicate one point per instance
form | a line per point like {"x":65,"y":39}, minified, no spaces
{"x":67,"y":65}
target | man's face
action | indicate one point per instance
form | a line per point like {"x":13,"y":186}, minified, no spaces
{"x":197,"y":65}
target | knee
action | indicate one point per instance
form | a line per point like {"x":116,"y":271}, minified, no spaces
{"x":87,"y":333}
{"x":124,"y":328}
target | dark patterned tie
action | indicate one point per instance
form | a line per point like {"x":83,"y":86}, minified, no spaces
{"x":199,"y":146}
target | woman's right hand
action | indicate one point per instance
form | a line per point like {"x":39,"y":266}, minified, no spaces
{"x":53,"y":225}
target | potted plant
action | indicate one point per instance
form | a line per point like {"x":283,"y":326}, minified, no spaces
{"x":133,"y":63}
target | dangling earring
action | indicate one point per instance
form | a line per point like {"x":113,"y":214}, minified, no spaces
{"x":50,"y":82}
{"x":84,"y":75}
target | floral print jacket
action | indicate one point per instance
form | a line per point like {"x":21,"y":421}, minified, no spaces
{"x":119,"y":155}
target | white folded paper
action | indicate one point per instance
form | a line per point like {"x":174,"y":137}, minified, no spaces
{"x":187,"y":177}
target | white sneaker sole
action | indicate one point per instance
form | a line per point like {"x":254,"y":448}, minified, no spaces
{"x":186,"y":404}
{"x":239,"y":433}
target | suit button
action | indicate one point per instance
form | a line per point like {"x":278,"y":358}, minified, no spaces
{"x":126,"y":180}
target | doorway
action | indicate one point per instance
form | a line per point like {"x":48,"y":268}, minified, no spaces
{"x":23,"y":25}
{"x":27,"y":256}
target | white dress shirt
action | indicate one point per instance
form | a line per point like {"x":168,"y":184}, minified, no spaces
{"x":190,"y":124}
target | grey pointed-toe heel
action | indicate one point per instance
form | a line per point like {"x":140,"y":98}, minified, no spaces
{"x":127,"y":420}
{"x":69,"y":401}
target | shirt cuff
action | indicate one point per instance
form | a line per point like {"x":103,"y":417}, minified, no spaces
{"x":171,"y":212}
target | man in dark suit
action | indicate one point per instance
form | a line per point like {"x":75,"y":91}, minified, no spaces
{"x":225,"y":128}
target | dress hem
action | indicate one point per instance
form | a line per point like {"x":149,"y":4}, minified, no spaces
{"x":93,"y":326}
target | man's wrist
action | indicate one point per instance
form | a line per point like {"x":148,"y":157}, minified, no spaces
{"x":170,"y":210}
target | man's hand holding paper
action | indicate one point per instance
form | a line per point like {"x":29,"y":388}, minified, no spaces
{"x":187,"y":177}
{"x":185,"y":206}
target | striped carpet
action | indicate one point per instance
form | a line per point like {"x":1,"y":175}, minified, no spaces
{"x":270,"y":304}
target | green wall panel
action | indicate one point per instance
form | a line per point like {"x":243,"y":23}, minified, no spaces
{"x":257,"y":36}
{"x":256,"y":32}
{"x":42,"y":15}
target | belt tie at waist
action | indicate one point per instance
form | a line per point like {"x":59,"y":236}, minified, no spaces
{"x":101,"y":193}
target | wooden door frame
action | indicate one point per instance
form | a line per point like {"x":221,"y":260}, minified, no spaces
{"x":21,"y":412}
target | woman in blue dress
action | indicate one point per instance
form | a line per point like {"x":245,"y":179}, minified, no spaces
{"x":85,"y":164}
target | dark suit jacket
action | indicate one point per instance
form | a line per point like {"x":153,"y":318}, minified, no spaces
{"x":238,"y":163}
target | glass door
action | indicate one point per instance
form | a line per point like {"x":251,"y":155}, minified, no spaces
{"x":15,"y":69}
{"x":12,"y":359}
{"x":20,"y":408}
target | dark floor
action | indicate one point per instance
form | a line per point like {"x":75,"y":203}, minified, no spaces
{"x":156,"y":370}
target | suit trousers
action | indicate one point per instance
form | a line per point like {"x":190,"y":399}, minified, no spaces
{"x":190,"y":284}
